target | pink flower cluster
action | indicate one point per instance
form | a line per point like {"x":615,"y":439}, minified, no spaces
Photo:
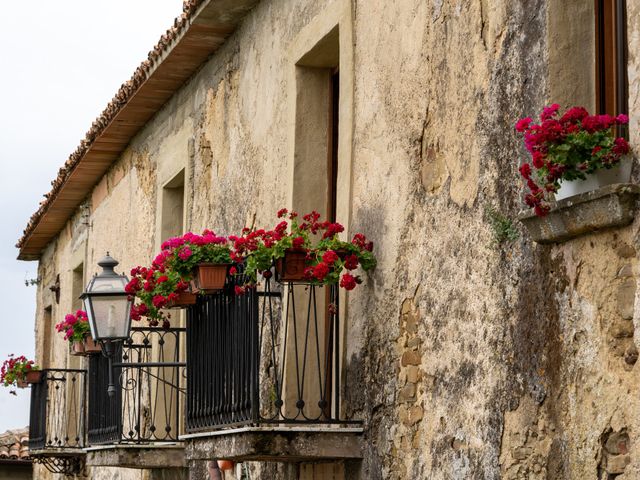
{"x":75,"y":326}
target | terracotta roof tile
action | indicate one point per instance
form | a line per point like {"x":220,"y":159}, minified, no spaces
{"x":14,"y":444}
{"x":119,"y":100}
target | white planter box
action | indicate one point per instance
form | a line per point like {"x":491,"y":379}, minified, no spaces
{"x":621,"y":173}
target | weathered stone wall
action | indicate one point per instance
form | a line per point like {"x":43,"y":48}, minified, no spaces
{"x":466,"y":359}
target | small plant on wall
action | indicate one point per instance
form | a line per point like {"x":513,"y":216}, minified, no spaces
{"x":568,"y":148}
{"x":19,"y":371}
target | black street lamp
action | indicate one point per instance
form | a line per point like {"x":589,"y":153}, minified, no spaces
{"x":108,"y":307}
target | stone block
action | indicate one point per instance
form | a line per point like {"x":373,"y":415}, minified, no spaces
{"x":521,"y":453}
{"x":414,"y":415}
{"x":411,"y":357}
{"x":626,"y":251}
{"x":413,"y":374}
{"x":630,"y":354}
{"x":411,"y":324}
{"x":616,"y":464}
{"x":617,"y":443}
{"x":622,"y":329}
{"x":607,"y":207}
{"x":626,"y":298}
{"x":407,"y":393}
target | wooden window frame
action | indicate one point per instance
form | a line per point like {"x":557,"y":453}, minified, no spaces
{"x":612,"y":93}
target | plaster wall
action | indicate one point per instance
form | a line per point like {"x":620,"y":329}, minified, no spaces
{"x":466,"y":359}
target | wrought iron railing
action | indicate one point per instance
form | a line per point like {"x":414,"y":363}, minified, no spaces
{"x":57,"y":416}
{"x":147,"y":406}
{"x":268,"y":356}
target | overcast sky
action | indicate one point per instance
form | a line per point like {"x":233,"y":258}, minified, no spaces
{"x":60,"y":64}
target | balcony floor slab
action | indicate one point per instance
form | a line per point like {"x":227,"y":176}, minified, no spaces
{"x":148,"y":456}
{"x":276,"y":444}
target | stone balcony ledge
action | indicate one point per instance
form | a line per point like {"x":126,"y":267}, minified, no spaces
{"x":277,"y":444}
{"x":144,"y":456}
{"x":612,"y":206}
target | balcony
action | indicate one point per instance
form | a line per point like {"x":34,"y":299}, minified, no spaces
{"x":138,"y":427}
{"x":264,"y":376}
{"x":57,"y":421}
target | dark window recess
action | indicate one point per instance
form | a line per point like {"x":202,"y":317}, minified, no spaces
{"x":612,"y":95}
{"x":332,"y":164}
{"x":249,"y":361}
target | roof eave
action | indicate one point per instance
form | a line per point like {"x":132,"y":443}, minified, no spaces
{"x":178,"y":55}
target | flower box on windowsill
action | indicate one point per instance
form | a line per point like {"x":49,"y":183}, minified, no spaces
{"x":606,"y":207}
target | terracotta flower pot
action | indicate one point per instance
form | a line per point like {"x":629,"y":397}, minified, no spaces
{"x":33,"y":376}
{"x":21,"y":383}
{"x":210,"y":277}
{"x":225,"y":464}
{"x":291,"y":267}
{"x":184,"y":300}
{"x":77,"y":349}
{"x":90,"y":346}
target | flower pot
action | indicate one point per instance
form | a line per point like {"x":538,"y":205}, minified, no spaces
{"x":620,"y":173}
{"x":184,"y":300}
{"x":225,"y":464}
{"x":34,"y":376}
{"x":210,"y":277}
{"x":291,"y":267}
{"x":22,"y":383}
{"x":90,"y":346}
{"x":77,"y":349}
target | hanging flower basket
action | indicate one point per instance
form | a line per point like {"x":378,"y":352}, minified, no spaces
{"x":91,"y":347}
{"x":15,"y":371}
{"x":34,"y":376}
{"x":182,"y":300}
{"x":210,"y":277}
{"x":291,"y":267}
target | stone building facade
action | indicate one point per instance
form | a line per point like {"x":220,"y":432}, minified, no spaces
{"x":465,"y":358}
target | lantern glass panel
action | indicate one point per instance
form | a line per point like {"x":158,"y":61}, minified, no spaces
{"x":113,"y":312}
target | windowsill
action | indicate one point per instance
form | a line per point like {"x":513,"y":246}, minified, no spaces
{"x":613,"y":206}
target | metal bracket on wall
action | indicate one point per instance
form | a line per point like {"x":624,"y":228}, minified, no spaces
{"x":65,"y":465}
